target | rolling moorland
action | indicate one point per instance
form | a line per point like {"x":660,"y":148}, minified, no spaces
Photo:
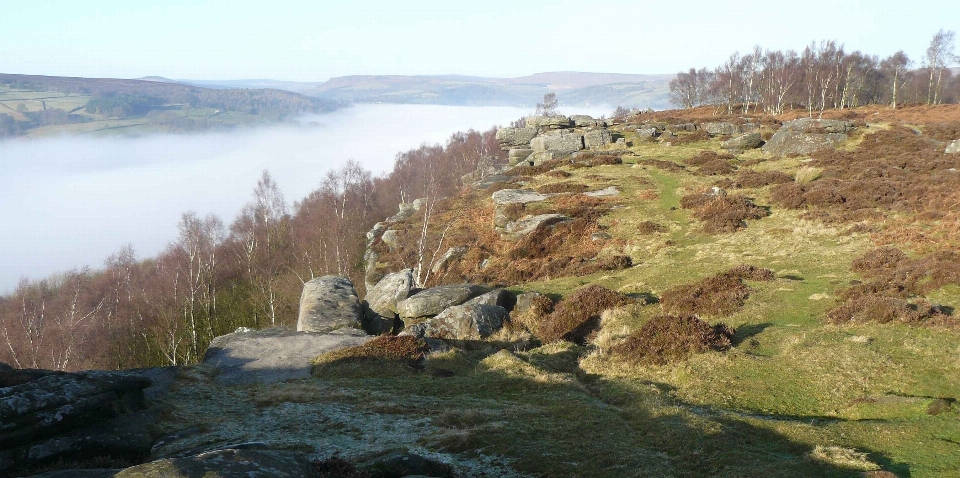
{"x":763,"y":285}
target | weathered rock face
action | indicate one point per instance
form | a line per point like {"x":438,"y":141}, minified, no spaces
{"x":806,"y":135}
{"x":743,"y":142}
{"x":953,"y":147}
{"x":558,"y":143}
{"x":647,"y":132}
{"x":391,"y":237}
{"x":452,"y":254}
{"x":494,"y":297}
{"x":597,"y":138}
{"x":683,"y":127}
{"x":548,"y":122}
{"x":383,"y":297}
{"x":462,"y":322}
{"x":407,"y":210}
{"x":515,"y":137}
{"x":525,"y":302}
{"x":70,"y":415}
{"x":225,"y":464}
{"x":505,"y":197}
{"x":275,"y":354}
{"x":721,"y":127}
{"x":329,"y":303}
{"x":605,"y":192}
{"x":515,"y":155}
{"x":515,"y":230}
{"x":430,"y":302}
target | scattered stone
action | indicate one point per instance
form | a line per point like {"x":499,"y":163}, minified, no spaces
{"x":743,"y":142}
{"x":525,"y":302}
{"x":953,"y":147}
{"x":647,"y":132}
{"x":461,"y":322}
{"x":689,"y":127}
{"x":748,"y":128}
{"x":605,"y":192}
{"x":452,"y":254}
{"x":402,"y":464}
{"x":329,"y":303}
{"x":430,"y":302}
{"x":721,"y":128}
{"x":548,"y":122}
{"x":383,"y":297}
{"x":585,"y":121}
{"x":600,"y":236}
{"x":806,"y":135}
{"x":815,"y":125}
{"x":407,"y":210}
{"x":503,"y":198}
{"x":275,"y":354}
{"x":597,"y":138}
{"x":515,"y":137}
{"x":517,"y":229}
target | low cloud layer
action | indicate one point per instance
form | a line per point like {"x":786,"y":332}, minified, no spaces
{"x":70,"y":202}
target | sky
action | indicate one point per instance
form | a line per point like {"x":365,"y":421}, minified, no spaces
{"x":318,"y":40}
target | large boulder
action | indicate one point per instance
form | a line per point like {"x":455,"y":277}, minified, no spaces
{"x":953,"y":147}
{"x":391,"y":237}
{"x":275,"y":354}
{"x":548,"y":122}
{"x":329,"y":303}
{"x":73,"y":415}
{"x":452,"y":254}
{"x":557,"y":142}
{"x":430,"y":302}
{"x":462,"y":322}
{"x":495,"y":297}
{"x":383,"y":297}
{"x":806,"y":135}
{"x":515,"y":230}
{"x":505,"y":198}
{"x":407,"y":210}
{"x":229,"y":463}
{"x":721,"y":128}
{"x":515,"y":137}
{"x":597,"y":138}
{"x":516,"y":155}
{"x":743,"y":142}
{"x":585,"y":121}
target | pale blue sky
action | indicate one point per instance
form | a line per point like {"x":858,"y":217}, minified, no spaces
{"x":313,"y":41}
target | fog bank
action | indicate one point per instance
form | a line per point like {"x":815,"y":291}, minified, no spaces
{"x":70,"y":202}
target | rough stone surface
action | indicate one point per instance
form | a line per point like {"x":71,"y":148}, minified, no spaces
{"x":597,"y":138}
{"x":515,"y":230}
{"x":452,"y":254}
{"x":605,"y":192}
{"x":953,"y":147}
{"x":525,"y":302}
{"x":743,"y":142}
{"x":462,"y":322}
{"x":548,"y":122}
{"x":505,"y":197}
{"x":684,"y":127}
{"x":558,"y":143}
{"x":329,"y":303}
{"x":721,"y":127}
{"x":407,"y":210}
{"x":391,"y":237}
{"x":796,"y":142}
{"x":495,"y":297}
{"x":275,"y":354}
{"x":600,"y":236}
{"x":430,"y":302}
{"x":406,"y":465}
{"x":515,"y":137}
{"x":516,"y":155}
{"x":225,"y":464}
{"x":815,"y":125}
{"x":383,"y":297}
{"x":647,"y":132}
{"x":585,"y":121}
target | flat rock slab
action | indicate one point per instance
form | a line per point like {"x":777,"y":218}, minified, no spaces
{"x":274,"y":355}
{"x":517,"y":196}
{"x":516,"y":230}
{"x":605,"y":192}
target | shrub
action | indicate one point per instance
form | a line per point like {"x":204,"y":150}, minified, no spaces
{"x":722,"y":213}
{"x":661,"y":164}
{"x":558,"y":173}
{"x":405,"y":349}
{"x":704,"y":157}
{"x":589,"y":160}
{"x":650,"y":227}
{"x":668,"y":338}
{"x":564,"y":187}
{"x":336,"y":467}
{"x":695,"y":137}
{"x":719,"y":295}
{"x":579,"y":314}
{"x":747,"y":178}
{"x":540,"y":308}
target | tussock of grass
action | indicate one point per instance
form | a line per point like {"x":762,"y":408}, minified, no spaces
{"x":722,"y":214}
{"x":807,"y":174}
{"x":843,"y":457}
{"x":668,"y":338}
{"x":579,"y":314}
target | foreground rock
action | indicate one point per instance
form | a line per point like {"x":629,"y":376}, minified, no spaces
{"x":273,"y":355}
{"x":953,"y":147}
{"x":806,"y":135}
{"x":225,"y":464}
{"x":721,"y":128}
{"x":329,"y":303}
{"x":559,"y":143}
{"x":515,"y":230}
{"x":435,"y":300}
{"x":515,"y":137}
{"x":462,"y":322}
{"x":72,"y":415}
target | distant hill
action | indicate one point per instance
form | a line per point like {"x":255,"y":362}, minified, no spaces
{"x":572,"y":88}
